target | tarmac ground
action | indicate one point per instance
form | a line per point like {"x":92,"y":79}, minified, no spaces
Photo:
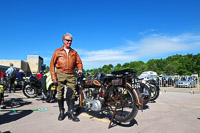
{"x":177,"y":110}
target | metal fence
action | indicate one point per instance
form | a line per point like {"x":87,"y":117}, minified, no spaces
{"x":180,"y":82}
{"x":180,"y":85}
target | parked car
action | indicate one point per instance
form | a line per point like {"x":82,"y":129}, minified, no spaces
{"x":184,"y":83}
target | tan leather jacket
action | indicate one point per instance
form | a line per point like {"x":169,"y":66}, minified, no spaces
{"x":64,"y":63}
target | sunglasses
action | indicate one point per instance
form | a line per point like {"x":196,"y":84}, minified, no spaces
{"x":68,"y":40}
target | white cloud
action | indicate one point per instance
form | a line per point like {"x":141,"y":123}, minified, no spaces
{"x":151,"y":46}
{"x":47,"y":58}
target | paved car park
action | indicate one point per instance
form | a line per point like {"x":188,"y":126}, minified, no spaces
{"x":171,"y":113}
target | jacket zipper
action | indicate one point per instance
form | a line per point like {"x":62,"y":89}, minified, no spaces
{"x":68,"y":59}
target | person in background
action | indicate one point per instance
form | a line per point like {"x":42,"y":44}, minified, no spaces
{"x":11,"y":75}
{"x":65,"y":59}
{"x":20,"y":78}
{"x":43,"y":82}
{"x":39,"y":75}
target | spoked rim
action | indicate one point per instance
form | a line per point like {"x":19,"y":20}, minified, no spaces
{"x":123,"y":101}
{"x":29,"y":91}
{"x":153,"y":92}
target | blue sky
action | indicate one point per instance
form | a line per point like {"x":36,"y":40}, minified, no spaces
{"x":104,"y":31}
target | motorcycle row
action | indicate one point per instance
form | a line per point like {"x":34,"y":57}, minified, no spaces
{"x":119,"y":94}
{"x":31,"y":87}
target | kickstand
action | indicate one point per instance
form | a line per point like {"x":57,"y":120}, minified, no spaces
{"x":113,"y":116}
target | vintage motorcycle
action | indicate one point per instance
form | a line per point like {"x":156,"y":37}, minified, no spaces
{"x":141,"y":87}
{"x":118,"y":97}
{"x":51,"y":88}
{"x":154,"y":89}
{"x":1,"y":93}
{"x":33,"y":88}
{"x":146,"y":91}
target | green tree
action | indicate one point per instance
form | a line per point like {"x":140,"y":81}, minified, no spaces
{"x":117,"y":67}
{"x":170,"y":69}
{"x":47,"y":69}
{"x":125,"y":65}
{"x":179,"y":64}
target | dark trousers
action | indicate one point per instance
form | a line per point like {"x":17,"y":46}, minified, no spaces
{"x":43,"y":82}
{"x":11,"y":84}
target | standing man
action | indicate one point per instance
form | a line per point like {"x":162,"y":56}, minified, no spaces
{"x":11,"y":74}
{"x":65,"y":59}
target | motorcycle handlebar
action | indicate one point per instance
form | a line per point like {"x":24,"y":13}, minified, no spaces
{"x":56,"y":84}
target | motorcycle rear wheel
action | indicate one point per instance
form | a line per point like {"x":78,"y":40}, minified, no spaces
{"x":123,"y":100}
{"x":29,"y":92}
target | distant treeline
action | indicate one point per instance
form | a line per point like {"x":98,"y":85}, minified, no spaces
{"x":176,"y":64}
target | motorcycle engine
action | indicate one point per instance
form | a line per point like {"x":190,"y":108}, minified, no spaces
{"x":92,"y":100}
{"x":94,"y":105}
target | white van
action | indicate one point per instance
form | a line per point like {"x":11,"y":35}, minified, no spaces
{"x":147,"y":75}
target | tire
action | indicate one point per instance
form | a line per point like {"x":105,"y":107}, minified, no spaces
{"x":145,"y":89}
{"x":78,"y":100}
{"x":155,"y":91}
{"x":50,"y":93}
{"x":1,"y":98}
{"x":29,"y":91}
{"x":125,"y":100}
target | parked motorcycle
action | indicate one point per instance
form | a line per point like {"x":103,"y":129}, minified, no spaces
{"x":142,"y":88}
{"x":155,"y":89}
{"x":1,"y":94}
{"x":116,"y":98}
{"x":146,"y":91}
{"x":3,"y":86}
{"x":50,"y":87}
{"x":33,"y":88}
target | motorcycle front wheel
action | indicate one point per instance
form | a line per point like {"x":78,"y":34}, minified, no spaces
{"x":78,"y":101}
{"x":29,"y":91}
{"x":51,"y":93}
{"x":122,"y":103}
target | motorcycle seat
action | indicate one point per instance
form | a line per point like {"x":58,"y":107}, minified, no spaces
{"x":125,"y":71}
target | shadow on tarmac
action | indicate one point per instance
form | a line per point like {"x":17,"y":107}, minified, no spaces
{"x":9,"y":112}
{"x":130,"y":124}
{"x":6,"y":132}
{"x":107,"y":115}
{"x":145,"y":107}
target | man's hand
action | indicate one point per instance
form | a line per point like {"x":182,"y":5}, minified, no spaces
{"x":79,"y":71}
{"x":55,"y":82}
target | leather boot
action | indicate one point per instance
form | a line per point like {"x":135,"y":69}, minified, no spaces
{"x":61,"y":109}
{"x":71,"y":115}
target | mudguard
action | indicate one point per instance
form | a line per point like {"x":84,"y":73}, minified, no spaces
{"x":137,"y":96}
{"x":49,"y":81}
